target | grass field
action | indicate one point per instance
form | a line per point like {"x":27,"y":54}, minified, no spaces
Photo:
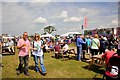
{"x":56,"y":68}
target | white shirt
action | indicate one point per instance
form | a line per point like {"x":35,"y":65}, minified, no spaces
{"x":66,"y":47}
{"x":39,"y":51}
{"x":95,"y":42}
{"x":10,"y":43}
{"x":62,"y":40}
{"x":46,"y":46}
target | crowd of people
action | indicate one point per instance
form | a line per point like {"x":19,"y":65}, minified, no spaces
{"x":36,"y":46}
{"x":96,"y":45}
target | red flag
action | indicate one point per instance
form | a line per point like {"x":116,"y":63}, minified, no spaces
{"x":85,"y":22}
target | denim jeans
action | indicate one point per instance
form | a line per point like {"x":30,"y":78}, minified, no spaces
{"x":79,"y":52}
{"x":41,"y":63}
{"x":23,"y":60}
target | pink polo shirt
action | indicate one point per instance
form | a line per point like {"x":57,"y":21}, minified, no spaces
{"x":24,"y":50}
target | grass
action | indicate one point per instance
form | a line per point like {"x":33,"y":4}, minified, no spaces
{"x":56,"y":68}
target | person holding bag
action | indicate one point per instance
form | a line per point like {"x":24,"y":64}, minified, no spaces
{"x":38,"y":54}
{"x":95,"y":45}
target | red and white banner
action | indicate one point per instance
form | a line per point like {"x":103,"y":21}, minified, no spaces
{"x":85,"y":22}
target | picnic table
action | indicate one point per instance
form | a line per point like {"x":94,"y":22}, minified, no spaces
{"x":97,"y":60}
{"x":49,"y":50}
{"x":68,"y":53}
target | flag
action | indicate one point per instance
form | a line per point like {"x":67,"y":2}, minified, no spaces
{"x":85,"y":22}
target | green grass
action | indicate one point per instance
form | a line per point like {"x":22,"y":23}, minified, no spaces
{"x":56,"y":68}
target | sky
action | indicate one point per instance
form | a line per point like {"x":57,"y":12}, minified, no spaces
{"x":32,"y":16}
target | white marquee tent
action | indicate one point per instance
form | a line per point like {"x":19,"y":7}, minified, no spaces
{"x":47,"y":35}
{"x":69,"y":33}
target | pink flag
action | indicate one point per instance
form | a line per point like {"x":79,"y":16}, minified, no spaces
{"x":85,"y":22}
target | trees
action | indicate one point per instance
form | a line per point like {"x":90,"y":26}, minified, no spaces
{"x":49,"y":29}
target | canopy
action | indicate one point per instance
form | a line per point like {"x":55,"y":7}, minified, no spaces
{"x":7,"y":37}
{"x":73,"y":33}
{"x":47,"y":35}
{"x":63,"y":35}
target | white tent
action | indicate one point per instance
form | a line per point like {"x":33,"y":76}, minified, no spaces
{"x":63,"y":35}
{"x":47,"y":35}
{"x":74,"y":33}
{"x":7,"y":37}
{"x":66,"y":34}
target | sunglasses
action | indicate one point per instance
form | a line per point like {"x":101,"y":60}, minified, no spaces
{"x":25,"y":35}
{"x":36,"y":36}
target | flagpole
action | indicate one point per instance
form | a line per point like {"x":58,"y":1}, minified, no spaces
{"x":82,"y":29}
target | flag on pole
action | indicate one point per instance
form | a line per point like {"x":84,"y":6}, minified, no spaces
{"x":85,"y":22}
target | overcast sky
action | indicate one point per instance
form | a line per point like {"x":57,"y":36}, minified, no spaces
{"x":32,"y":17}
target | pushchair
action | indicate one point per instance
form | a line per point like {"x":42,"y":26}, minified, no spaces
{"x":113,"y":68}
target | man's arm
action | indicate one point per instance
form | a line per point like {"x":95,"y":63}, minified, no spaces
{"x":83,"y":42}
{"x":77,"y":42}
{"x":19,"y":45}
{"x":29,"y":48}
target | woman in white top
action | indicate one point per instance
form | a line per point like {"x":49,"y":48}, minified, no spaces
{"x":95,"y":44}
{"x":65,"y":47}
{"x":38,"y":54}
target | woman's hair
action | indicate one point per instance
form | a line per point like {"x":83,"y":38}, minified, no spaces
{"x":37,"y":35}
{"x":96,"y":35}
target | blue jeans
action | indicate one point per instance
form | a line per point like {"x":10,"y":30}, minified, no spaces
{"x":79,"y":52}
{"x":41,"y":63}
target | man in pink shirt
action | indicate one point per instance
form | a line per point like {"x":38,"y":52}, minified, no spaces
{"x":108,"y":54}
{"x":24,"y":49}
